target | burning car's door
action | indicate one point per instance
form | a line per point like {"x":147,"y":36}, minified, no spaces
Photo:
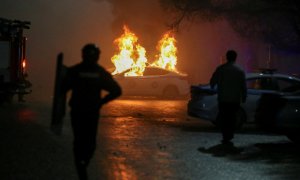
{"x":128,"y":84}
{"x":155,"y":79}
{"x":151,"y":85}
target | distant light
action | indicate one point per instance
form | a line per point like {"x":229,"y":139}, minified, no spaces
{"x":296,"y":110}
{"x":24,"y":64}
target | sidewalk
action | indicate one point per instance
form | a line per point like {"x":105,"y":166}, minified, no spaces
{"x":28,"y":150}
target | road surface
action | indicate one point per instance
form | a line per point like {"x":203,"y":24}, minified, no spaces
{"x":141,"y":139}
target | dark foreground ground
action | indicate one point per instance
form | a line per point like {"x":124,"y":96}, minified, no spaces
{"x":28,"y":151}
{"x":140,"y":139}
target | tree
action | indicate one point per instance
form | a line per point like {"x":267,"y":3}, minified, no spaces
{"x":274,"y":21}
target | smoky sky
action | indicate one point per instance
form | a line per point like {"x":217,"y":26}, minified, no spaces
{"x":59,"y":26}
{"x":145,"y":18}
{"x":200,"y":46}
{"x":66,"y":25}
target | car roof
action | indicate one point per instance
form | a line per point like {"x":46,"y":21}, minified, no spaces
{"x":277,"y":75}
{"x":149,"y":67}
{"x":158,"y":68}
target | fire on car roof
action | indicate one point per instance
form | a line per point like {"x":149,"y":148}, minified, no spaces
{"x":131,"y":55}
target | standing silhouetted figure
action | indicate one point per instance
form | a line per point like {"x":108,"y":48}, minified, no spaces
{"x":232,"y":91}
{"x":86,"y":80}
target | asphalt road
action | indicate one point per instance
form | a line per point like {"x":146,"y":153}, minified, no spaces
{"x":140,"y":139}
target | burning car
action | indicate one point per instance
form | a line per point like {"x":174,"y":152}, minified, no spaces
{"x":156,"y":82}
{"x":273,"y":103}
{"x":138,"y":77}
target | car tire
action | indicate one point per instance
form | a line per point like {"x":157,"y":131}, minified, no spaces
{"x":170,"y":92}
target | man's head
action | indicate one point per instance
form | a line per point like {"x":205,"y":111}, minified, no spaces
{"x":231,"y":56}
{"x":90,"y":53}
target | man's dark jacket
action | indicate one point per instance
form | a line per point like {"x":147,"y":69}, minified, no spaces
{"x":86,"y":82}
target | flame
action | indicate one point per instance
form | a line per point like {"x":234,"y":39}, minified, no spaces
{"x":167,"y":59}
{"x":138,"y":67}
{"x":133,"y":56}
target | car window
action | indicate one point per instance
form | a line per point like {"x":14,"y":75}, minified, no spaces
{"x":263,"y":83}
{"x":268,"y":83}
{"x":253,"y":84}
{"x":288,"y":85}
{"x":154,"y":71}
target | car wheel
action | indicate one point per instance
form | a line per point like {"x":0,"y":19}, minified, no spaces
{"x":294,"y":137}
{"x":170,"y":92}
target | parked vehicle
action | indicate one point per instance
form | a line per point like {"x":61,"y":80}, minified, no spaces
{"x":273,"y":103}
{"x":154,"y":82}
{"x":13,"y":59}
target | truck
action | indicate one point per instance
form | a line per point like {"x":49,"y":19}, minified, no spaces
{"x":13,"y":62}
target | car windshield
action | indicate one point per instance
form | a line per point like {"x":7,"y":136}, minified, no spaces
{"x":265,"y":83}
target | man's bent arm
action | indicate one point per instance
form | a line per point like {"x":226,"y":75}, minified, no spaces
{"x":114,"y":91}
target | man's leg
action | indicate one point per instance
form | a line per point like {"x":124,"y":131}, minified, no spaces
{"x":81,"y":168}
{"x":84,"y":129}
{"x":227,"y":121}
{"x":78,"y":142}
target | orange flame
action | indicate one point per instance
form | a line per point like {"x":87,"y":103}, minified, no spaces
{"x":133,"y":56}
{"x":167,"y":59}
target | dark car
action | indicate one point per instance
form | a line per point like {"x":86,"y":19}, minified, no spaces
{"x":273,"y":103}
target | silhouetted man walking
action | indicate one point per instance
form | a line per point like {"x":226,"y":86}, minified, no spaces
{"x":86,"y":80}
{"x":231,"y":87}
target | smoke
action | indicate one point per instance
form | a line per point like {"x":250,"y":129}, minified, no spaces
{"x":66,"y":25}
{"x":200,"y":46}
{"x":59,"y":26}
{"x":143,"y":17}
